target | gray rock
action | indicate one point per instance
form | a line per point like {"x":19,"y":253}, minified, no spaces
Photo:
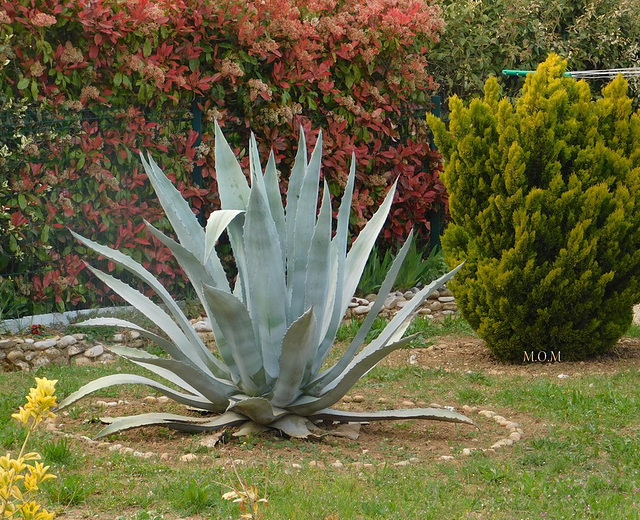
{"x":95,"y":351}
{"x":3,"y":355}
{"x":446,"y":299}
{"x":79,"y":336}
{"x":408,"y":295}
{"x":434,"y":295}
{"x":133,"y":334}
{"x":118,"y":338}
{"x":74,"y":350}
{"x":7,"y":344}
{"x":15,"y":355}
{"x":40,"y":361}
{"x":450,"y":307}
{"x":371,"y":297}
{"x":45,"y":344}
{"x":445,"y":292}
{"x":435,"y":305}
{"x":81,"y":360}
{"x":65,"y":341}
{"x":52,"y":353}
{"x":401,"y":304}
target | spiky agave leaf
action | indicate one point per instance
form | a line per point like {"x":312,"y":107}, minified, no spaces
{"x":276,"y":327}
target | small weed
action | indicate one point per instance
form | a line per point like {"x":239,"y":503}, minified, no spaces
{"x":143,"y":515}
{"x":58,"y":452}
{"x":194,"y":497}
{"x":69,"y":490}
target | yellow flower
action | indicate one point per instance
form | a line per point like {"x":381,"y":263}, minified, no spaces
{"x":37,"y":474}
{"x":33,"y":511}
{"x":39,"y":402}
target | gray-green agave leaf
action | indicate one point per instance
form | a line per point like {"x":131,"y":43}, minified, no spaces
{"x":275,"y":328}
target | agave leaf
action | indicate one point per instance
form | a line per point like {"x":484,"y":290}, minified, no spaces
{"x":304,"y":225}
{"x":234,"y":195}
{"x":125,"y":379}
{"x":135,"y":268}
{"x":334,"y":315}
{"x":170,"y":420}
{"x":216,"y":224}
{"x":318,"y":274}
{"x":390,"y":335}
{"x":258,"y":409}
{"x":184,"y":222}
{"x":293,"y":193}
{"x":364,"y":329}
{"x":232,"y":184}
{"x":297,"y":347}
{"x":274,"y":197}
{"x":433,"y":414}
{"x":250,"y":428}
{"x":165,"y":345}
{"x":361,"y":248}
{"x":294,"y":426}
{"x":198,"y":276}
{"x":179,"y":373}
{"x":236,"y":326}
{"x":192,"y":347}
{"x":266,"y":284}
{"x":336,"y":389}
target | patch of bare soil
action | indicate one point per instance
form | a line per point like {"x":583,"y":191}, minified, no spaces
{"x":463,"y":353}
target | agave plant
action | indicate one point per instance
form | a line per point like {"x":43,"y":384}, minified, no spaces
{"x":276,"y":326}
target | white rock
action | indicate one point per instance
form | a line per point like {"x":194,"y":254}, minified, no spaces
{"x":408,"y":295}
{"x":115,"y":447}
{"x":45,"y":344}
{"x":203,"y":326}
{"x":133,"y":334}
{"x":447,"y":457}
{"x":562,"y":376}
{"x":118,"y":338}
{"x":511,"y":425}
{"x":446,"y":299}
{"x":402,"y":463}
{"x":163,"y":399}
{"x":414,"y":460}
{"x":295,"y":465}
{"x":408,"y":403}
{"x":466,"y":451}
{"x":413,"y":359}
{"x":401,"y":304}
{"x":514,"y":436}
{"x":150,"y":399}
{"x":30,"y":341}
{"x":448,"y":313}
{"x":361,"y":309}
{"x":65,"y":341}
{"x":337,"y":464}
{"x":189,"y":457}
{"x":79,"y":336}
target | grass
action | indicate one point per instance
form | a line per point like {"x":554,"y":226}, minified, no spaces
{"x":582,"y":461}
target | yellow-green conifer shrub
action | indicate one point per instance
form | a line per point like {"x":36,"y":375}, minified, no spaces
{"x":545,"y":206}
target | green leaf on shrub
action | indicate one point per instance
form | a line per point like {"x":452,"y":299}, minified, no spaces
{"x":146,"y":48}
{"x":117,"y":79}
{"x":22,"y":201}
{"x":23,"y":83}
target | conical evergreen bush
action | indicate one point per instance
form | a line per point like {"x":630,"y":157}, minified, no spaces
{"x":545,"y":207}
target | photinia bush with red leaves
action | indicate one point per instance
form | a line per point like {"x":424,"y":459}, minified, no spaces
{"x":86,"y":84}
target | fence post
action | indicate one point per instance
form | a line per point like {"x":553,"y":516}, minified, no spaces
{"x":196,"y":175}
{"x":436,"y":217}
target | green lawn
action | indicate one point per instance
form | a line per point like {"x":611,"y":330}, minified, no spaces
{"x":579,"y":459}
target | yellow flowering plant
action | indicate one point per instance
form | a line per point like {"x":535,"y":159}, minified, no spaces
{"x":19,"y":479}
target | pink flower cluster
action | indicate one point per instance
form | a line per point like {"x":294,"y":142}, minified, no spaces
{"x":43,"y":20}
